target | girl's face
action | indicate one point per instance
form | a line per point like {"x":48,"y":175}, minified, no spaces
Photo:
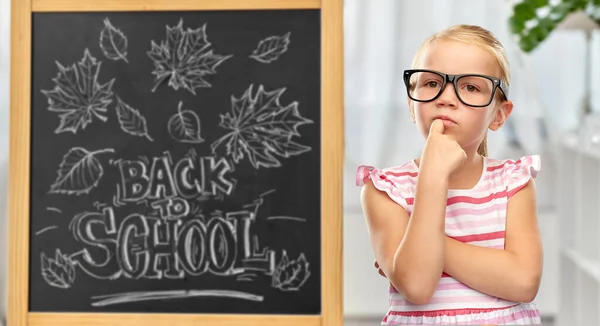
{"x":468,"y":124}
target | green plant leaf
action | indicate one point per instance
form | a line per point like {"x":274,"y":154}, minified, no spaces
{"x":524,"y":11}
{"x":539,"y":33}
{"x":516,"y":25}
{"x":564,"y":8}
{"x":547,"y":24}
{"x":579,"y":4}
{"x":537,"y":3}
{"x":559,"y":12}
{"x":527,"y":43}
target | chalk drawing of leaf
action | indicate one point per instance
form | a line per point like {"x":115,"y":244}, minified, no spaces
{"x":113,"y":42}
{"x":184,"y":126}
{"x":290,"y":275}
{"x":271,"y":48}
{"x":192,"y":154}
{"x":185,"y":58}
{"x":79,"y":172}
{"x":58,"y":272}
{"x":78,"y":96}
{"x":260,"y":128}
{"x":131,"y":120}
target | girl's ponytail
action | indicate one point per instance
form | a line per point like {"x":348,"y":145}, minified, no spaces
{"x":482,"y":149}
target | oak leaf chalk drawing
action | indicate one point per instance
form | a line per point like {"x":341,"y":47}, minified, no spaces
{"x":290,"y":275}
{"x":78,"y":96}
{"x":184,"y":126}
{"x":260,"y":128}
{"x":79,"y":172}
{"x":271,"y":48}
{"x":113,"y":42}
{"x":185,"y":58}
{"x":58,"y":272}
{"x":131,"y":120}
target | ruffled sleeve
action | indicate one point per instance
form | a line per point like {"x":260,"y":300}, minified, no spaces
{"x":518,"y":173}
{"x":396,"y":189}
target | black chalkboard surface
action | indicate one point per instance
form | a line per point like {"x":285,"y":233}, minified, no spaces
{"x":175,"y":162}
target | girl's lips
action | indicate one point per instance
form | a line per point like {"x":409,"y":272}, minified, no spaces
{"x":448,"y":123}
{"x":446,"y":120}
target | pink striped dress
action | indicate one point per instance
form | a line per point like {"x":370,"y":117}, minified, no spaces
{"x":476,"y":216}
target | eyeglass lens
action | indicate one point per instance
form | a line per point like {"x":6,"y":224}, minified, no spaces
{"x":472,"y":90}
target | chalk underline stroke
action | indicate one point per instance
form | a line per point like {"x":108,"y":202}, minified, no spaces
{"x":286,"y":218}
{"x":112,"y":299}
{"x":46,"y":229}
{"x":54,"y":209}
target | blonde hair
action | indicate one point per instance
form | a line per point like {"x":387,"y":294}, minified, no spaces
{"x":480,"y":37}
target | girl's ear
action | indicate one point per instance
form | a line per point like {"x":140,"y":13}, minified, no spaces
{"x":501,"y":114}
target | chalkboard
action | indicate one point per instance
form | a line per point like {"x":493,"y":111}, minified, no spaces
{"x":175,"y":162}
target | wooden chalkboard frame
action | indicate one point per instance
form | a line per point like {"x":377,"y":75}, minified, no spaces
{"x":332,"y":153}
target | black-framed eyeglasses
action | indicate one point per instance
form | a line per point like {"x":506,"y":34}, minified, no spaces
{"x":474,"y":90}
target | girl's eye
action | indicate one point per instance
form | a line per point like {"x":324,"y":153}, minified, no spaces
{"x":431,"y":84}
{"x":471,"y":88}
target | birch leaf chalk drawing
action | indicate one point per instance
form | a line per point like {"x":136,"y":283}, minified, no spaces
{"x":131,"y":120}
{"x":79,"y":172}
{"x":271,"y":48}
{"x":184,"y":126}
{"x":113,"y":42}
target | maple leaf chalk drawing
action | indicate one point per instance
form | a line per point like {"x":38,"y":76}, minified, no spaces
{"x":79,"y":172}
{"x":271,"y":48}
{"x":260,"y":128}
{"x":185,"y":58}
{"x":131,"y":120}
{"x":113,"y":42}
{"x":290,"y":275}
{"x":78,"y":96}
{"x":58,"y":272}
{"x":184,"y":126}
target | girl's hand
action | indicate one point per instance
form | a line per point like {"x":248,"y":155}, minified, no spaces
{"x":441,"y":154}
{"x":379,"y":269}
{"x":382,"y":273}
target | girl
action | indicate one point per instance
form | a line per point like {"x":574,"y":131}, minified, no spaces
{"x":454,"y":230}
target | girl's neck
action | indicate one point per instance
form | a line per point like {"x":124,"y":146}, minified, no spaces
{"x":468,"y":174}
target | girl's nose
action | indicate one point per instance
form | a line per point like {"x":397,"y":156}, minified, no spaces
{"x":448,"y":97}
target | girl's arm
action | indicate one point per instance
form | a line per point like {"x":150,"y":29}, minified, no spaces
{"x":512,"y":274}
{"x":410,"y":251}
